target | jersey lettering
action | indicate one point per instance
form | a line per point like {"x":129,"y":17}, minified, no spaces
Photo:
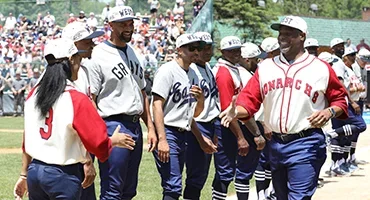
{"x":178,"y":95}
{"x":136,"y":69}
{"x":45,"y":131}
{"x":120,"y":71}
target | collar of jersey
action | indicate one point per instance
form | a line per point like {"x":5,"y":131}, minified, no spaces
{"x":124,"y":49}
{"x":222,"y":61}
{"x":300,"y":59}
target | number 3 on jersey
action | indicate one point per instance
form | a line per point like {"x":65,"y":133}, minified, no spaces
{"x":45,"y":130}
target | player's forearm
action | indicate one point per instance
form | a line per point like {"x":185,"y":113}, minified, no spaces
{"x":26,"y":160}
{"x":195,"y":131}
{"x":252,"y":127}
{"x":159,"y":120}
{"x":338,"y":111}
{"x":199,"y":108}
{"x":235,"y":129}
{"x":146,"y":113}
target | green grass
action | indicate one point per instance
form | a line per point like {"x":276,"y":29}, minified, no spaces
{"x":149,"y":180}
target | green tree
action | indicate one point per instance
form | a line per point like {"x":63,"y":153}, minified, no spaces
{"x":248,"y":17}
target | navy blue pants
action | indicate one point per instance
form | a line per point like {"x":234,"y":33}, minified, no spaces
{"x":196,"y":161}
{"x":171,"y":172}
{"x":119,"y":174}
{"x":296,"y":165}
{"x":47,"y":181}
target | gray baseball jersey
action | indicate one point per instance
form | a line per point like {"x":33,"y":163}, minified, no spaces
{"x":173,"y":83}
{"x":116,"y":78}
{"x":341,"y":71}
{"x":208,"y":85}
{"x":82,"y":83}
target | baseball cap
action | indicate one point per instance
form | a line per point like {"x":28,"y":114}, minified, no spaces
{"x":77,"y":31}
{"x":121,"y":13}
{"x":311,"y":42}
{"x":250,"y":50}
{"x":293,"y":22}
{"x":326,"y":56}
{"x":364,"y":55}
{"x":270,"y":44}
{"x":230,"y":42}
{"x":336,"y":41}
{"x":348,"y":51}
{"x":59,"y":48}
{"x":186,"y":38}
{"x":206,"y":37}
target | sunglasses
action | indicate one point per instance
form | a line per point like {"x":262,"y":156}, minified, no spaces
{"x":192,"y":48}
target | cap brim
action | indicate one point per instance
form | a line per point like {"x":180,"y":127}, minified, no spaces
{"x":202,"y":43}
{"x":233,"y":47}
{"x":94,"y":34}
{"x":275,"y":26}
{"x":125,"y":19}
{"x":263,"y":55}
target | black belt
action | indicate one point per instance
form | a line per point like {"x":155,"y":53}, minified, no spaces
{"x":176,"y":128}
{"x":123,"y":117}
{"x":286,"y":138}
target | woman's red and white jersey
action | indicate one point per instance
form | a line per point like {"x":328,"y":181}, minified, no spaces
{"x":228,"y":81}
{"x":51,"y":140}
{"x":292,"y":92}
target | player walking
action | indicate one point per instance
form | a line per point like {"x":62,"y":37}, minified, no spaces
{"x":174,"y":97}
{"x":54,"y":111}
{"x":118,"y":88}
{"x":291,"y":88}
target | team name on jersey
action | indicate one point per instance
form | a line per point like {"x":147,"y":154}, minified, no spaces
{"x":290,"y":83}
{"x":213,"y":92}
{"x":136,"y":69}
{"x":120,"y":71}
{"x":181,"y":96}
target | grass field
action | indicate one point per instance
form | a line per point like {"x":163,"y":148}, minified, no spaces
{"x":149,"y":181}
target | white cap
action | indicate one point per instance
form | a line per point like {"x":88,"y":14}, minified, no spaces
{"x":91,"y":13}
{"x":336,"y":41}
{"x":77,"y":31}
{"x":230,"y":42}
{"x":293,"y":22}
{"x":364,"y":55}
{"x":326,"y":56}
{"x":60,"y":48}
{"x":121,"y":13}
{"x":311,"y":42}
{"x":178,"y":1}
{"x":250,"y":50}
{"x":82,"y":12}
{"x":206,"y":37}
{"x":270,"y":44}
{"x":348,"y":51}
{"x":186,"y":38}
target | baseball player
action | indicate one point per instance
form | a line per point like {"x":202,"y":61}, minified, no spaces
{"x":18,"y":86}
{"x":229,"y":163}
{"x":270,"y":45}
{"x":296,"y":89}
{"x":312,"y":46}
{"x":83,"y":37}
{"x":118,"y":88}
{"x":176,"y":99}
{"x":57,"y":133}
{"x":196,"y":160}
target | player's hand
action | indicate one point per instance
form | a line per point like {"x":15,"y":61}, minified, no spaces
{"x":20,"y":188}
{"x":163,"y":151}
{"x":90,"y":173}
{"x":122,"y":140}
{"x":318,"y":119}
{"x":243,"y":146}
{"x":152,"y":140}
{"x":197,"y":93}
{"x":356,"y":107}
{"x":215,"y":140}
{"x":207,"y":146}
{"x":260,"y":142}
{"x":229,"y":113}
{"x":267,"y":132}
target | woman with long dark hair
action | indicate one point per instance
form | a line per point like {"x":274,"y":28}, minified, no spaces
{"x":59,"y":122}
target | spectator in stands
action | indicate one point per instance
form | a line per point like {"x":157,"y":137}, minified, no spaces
{"x":8,"y":53}
{"x":25,"y":23}
{"x":154,"y":7}
{"x":92,"y":22}
{"x":197,"y":6}
{"x":149,"y":84}
{"x":34,"y":79}
{"x":71,"y":18}
{"x":362,"y":45}
{"x":179,"y":8}
{"x":10,"y":22}
{"x":82,"y":17}
{"x":105,"y":12}
{"x":350,"y":45}
{"x":170,"y":55}
{"x":18,"y":87}
{"x":49,"y":19}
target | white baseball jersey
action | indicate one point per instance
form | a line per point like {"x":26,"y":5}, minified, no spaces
{"x":292,"y":92}
{"x":354,"y":82}
{"x":82,"y":83}
{"x":228,"y":81}
{"x":49,"y":140}
{"x":361,"y":74}
{"x":208,"y":85}
{"x":246,"y":75}
{"x":117,"y":78}
{"x":340,"y":70}
{"x":173,"y":83}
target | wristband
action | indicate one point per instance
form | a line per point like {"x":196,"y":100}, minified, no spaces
{"x":22,"y":176}
{"x":332,"y":112}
